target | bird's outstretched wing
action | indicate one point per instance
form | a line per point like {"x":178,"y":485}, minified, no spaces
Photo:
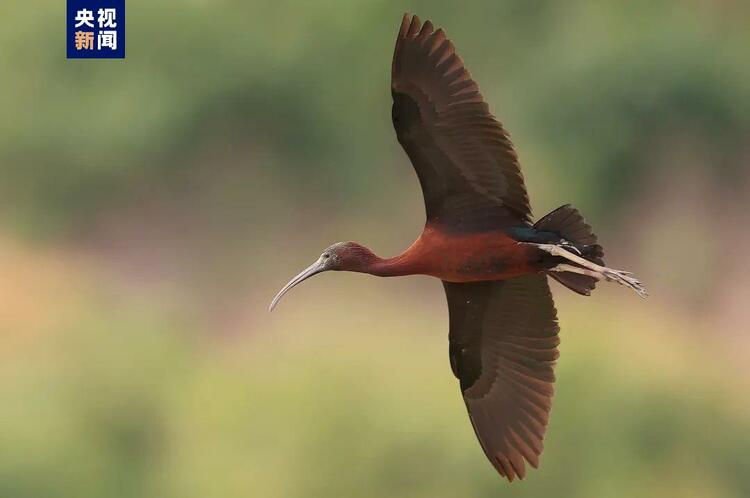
{"x":465,"y":161}
{"x":503,"y":347}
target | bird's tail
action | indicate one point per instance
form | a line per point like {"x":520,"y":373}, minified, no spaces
{"x":577,"y":236}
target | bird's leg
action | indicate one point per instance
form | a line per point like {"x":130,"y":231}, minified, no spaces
{"x":591,"y":269}
{"x":577,"y":269}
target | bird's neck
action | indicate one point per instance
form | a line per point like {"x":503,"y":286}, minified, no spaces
{"x":406,"y":263}
{"x":390,"y":267}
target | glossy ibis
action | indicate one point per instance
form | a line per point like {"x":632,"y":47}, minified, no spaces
{"x":480,"y":241}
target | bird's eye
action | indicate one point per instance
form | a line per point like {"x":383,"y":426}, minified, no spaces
{"x":326,"y":255}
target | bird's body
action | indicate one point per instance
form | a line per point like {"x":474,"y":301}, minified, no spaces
{"x":479,"y":240}
{"x":473,"y":257}
{"x":462,"y":257}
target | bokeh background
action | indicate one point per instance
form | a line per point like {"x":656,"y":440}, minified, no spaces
{"x":151,"y":207}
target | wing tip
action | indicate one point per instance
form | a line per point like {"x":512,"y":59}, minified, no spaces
{"x":405,"y":21}
{"x":411,"y":26}
{"x":414,"y":26}
{"x":509,"y":469}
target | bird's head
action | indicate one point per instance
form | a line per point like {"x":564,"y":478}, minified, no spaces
{"x":342,"y":256}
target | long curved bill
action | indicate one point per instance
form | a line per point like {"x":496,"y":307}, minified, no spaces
{"x":313,"y":269}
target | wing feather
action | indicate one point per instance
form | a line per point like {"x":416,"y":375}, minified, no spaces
{"x":468,"y":170}
{"x":503,"y":348}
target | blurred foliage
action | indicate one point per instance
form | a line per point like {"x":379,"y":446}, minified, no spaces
{"x":590,"y":90}
{"x":123,"y":402}
{"x":149,"y":208}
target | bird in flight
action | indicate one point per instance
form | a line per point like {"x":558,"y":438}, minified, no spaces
{"x":479,"y":240}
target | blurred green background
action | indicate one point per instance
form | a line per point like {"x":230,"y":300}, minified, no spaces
{"x":151,"y":207}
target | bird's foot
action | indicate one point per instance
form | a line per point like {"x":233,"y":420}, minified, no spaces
{"x":625,"y":278}
{"x":585,"y":267}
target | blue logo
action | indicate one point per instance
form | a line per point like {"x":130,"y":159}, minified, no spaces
{"x":96,"y":29}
